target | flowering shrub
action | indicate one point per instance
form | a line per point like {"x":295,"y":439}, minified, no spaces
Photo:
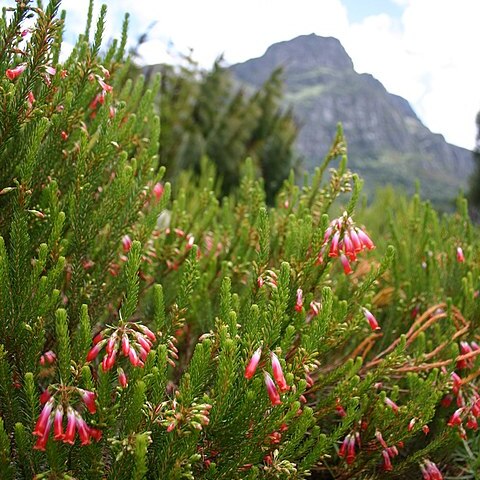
{"x":197,"y":337}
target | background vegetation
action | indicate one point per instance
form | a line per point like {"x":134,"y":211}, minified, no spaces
{"x":141,"y":323}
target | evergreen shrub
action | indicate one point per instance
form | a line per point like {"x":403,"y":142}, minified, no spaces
{"x":151,"y":335}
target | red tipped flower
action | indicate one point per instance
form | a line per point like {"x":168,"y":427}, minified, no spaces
{"x":372,"y":321}
{"x":69,"y":436}
{"x":460,"y":255}
{"x":58,"y":423}
{"x":42,"y":440}
{"x":252,"y":364}
{"x":272,"y":390}
{"x":88,"y":398}
{"x":387,"y":464}
{"x":391,"y":404}
{"x":83,"y":429}
{"x":126,"y":243}
{"x":95,"y":350}
{"x":347,"y":269}
{"x":278,"y":374}
{"x":44,"y":418}
{"x":122,"y":378}
{"x":351,"y":450}
{"x":456,"y":418}
{"x":125,"y":345}
{"x":158,"y":190}
{"x":13,"y":73}
{"x":299,"y":304}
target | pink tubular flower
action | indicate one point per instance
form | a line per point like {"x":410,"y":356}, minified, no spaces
{"x":105,"y":87}
{"x":125,"y":345}
{"x":278,"y":374}
{"x":48,"y":358}
{"x":457,"y":383}
{"x":95,"y":433}
{"x":58,"y":423}
{"x":132,"y":355}
{"x":391,"y":404}
{"x":411,"y":424}
{"x":345,"y":264}
{"x":272,"y":390}
{"x":314,"y":308}
{"x":44,"y":417}
{"x":50,"y":70}
{"x":476,"y":408}
{"x":126,"y":243}
{"x":147,"y":332}
{"x":158,"y":190}
{"x":98,"y":337}
{"x":456,"y":418}
{"x":41,"y":443}
{"x":83,"y":429}
{"x":351,"y":450}
{"x":45,"y":396}
{"x":348,"y":247}
{"x":387,"y":464}
{"x":380,"y":439}
{"x":109,"y":360}
{"x":95,"y":350}
{"x":365,"y":239}
{"x":69,"y":436}
{"x":122,"y":378}
{"x":372,"y":321}
{"x":460,"y":255}
{"x":144,"y":342}
{"x":343,"y":449}
{"x":252,"y":364}
{"x":433,"y":473}
{"x":13,"y":73}
{"x":299,"y":304}
{"x":88,"y":398}
{"x":334,"y":245}
{"x":357,"y":244}
{"x":472,"y":422}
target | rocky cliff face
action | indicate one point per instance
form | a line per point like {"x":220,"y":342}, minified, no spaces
{"x":387,"y":143}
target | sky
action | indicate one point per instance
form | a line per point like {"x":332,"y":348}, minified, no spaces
{"x":423,"y":50}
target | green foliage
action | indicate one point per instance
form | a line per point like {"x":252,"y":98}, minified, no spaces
{"x":154,"y":324}
{"x":203,"y":113}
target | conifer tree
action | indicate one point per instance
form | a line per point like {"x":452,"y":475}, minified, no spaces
{"x":474,"y":193}
{"x":204,"y":114}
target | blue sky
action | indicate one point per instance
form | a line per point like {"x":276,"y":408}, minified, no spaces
{"x":423,"y":50}
{"x":358,"y":10}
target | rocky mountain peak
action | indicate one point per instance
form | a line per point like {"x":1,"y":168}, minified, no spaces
{"x":299,"y":55}
{"x":387,"y":142}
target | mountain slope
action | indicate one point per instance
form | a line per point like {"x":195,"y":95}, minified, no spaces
{"x":387,"y":143}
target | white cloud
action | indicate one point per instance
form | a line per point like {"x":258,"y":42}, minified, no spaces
{"x":426,"y":56}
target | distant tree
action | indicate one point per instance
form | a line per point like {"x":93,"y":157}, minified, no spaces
{"x":474,"y":194}
{"x":205,"y":113}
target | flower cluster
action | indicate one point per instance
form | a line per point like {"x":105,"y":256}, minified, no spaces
{"x":347,"y":449}
{"x":134,"y":340}
{"x":343,"y":239}
{"x":273,"y":390}
{"x":467,"y":397}
{"x":53,"y":412}
{"x":387,"y":453}
{"x":174,"y":416}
